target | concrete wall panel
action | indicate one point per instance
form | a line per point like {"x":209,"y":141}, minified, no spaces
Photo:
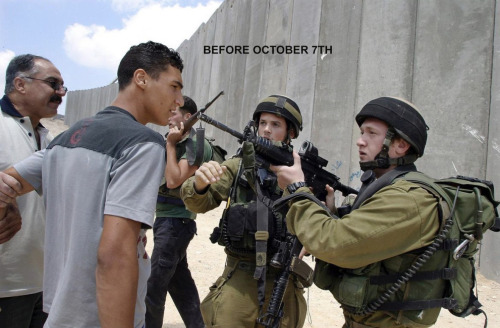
{"x":335,"y":88}
{"x":452,"y":83}
{"x":385,"y":64}
{"x":490,"y":266}
{"x":221,"y":63}
{"x":254,"y":63}
{"x":201,"y":82}
{"x":275,"y":66}
{"x":302,"y":67}
{"x":85,"y":103}
{"x":237,"y":65}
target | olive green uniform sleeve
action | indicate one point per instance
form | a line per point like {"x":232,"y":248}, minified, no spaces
{"x":216,"y":193}
{"x":397,"y":219}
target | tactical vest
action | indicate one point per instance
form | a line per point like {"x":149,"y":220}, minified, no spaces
{"x":354,"y":289}
{"x":239,"y":222}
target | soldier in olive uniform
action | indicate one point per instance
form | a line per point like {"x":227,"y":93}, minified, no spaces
{"x":243,"y":290}
{"x":382,"y":236}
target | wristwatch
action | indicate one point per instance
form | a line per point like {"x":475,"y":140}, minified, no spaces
{"x":292,"y":187}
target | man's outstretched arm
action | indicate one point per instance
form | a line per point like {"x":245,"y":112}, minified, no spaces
{"x":117,"y":272}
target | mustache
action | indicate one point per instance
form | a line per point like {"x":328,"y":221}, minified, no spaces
{"x":56,"y":98}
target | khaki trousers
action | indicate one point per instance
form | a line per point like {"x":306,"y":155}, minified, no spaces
{"x":232,"y":300}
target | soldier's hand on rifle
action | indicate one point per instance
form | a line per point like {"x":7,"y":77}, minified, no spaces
{"x":330,"y":199}
{"x":289,"y":174}
{"x":175,"y":134}
{"x":206,"y":174}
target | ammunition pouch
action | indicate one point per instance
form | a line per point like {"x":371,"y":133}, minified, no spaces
{"x":241,"y":227}
{"x":302,"y":271}
{"x":324,"y":274}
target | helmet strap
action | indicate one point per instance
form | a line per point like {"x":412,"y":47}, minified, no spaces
{"x":382,"y":159}
{"x":288,"y":139}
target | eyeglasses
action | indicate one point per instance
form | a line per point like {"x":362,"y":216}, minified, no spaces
{"x":53,"y":84}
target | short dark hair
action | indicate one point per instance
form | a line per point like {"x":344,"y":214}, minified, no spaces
{"x":22,"y":64}
{"x":189,"y":106}
{"x":152,"y":57}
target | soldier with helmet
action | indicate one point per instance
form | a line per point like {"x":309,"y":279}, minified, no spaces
{"x":391,"y":222}
{"x":249,"y":231}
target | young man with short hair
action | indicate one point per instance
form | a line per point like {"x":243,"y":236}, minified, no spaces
{"x":175,"y":227}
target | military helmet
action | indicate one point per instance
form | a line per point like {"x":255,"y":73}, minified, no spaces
{"x":281,"y":106}
{"x":401,"y":115}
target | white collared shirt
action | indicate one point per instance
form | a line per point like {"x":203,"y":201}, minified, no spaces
{"x":21,"y":258}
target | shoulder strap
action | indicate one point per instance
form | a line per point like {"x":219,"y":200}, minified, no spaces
{"x":261,"y":237}
{"x":369,"y":190}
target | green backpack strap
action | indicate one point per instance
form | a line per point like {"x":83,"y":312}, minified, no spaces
{"x":372,"y":186}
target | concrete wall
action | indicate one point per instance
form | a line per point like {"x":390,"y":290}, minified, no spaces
{"x":438,"y":54}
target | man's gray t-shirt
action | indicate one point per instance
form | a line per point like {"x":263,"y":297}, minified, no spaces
{"x":107,"y":164}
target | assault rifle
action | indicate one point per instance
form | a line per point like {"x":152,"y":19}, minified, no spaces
{"x":278,"y":153}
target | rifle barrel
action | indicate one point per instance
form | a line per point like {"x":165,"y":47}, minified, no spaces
{"x":221,"y":126}
{"x":212,"y":101}
{"x":194,"y":118}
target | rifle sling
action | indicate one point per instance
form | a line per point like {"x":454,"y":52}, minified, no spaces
{"x":284,"y":200}
{"x":261,"y":237}
{"x":200,"y":146}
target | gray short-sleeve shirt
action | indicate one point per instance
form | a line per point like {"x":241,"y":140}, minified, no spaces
{"x":106,"y":164}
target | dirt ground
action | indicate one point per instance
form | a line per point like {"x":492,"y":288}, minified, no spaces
{"x":207,"y":262}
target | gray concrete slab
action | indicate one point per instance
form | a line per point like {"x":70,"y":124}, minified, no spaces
{"x":490,"y":266}
{"x":385,"y":58}
{"x":224,"y":32}
{"x":253,"y":65}
{"x":302,"y":66}
{"x":452,"y":83}
{"x":274,"y":66}
{"x":335,"y":86}
{"x":237,"y":66}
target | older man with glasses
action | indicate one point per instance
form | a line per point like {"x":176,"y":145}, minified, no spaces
{"x":33,"y":90}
